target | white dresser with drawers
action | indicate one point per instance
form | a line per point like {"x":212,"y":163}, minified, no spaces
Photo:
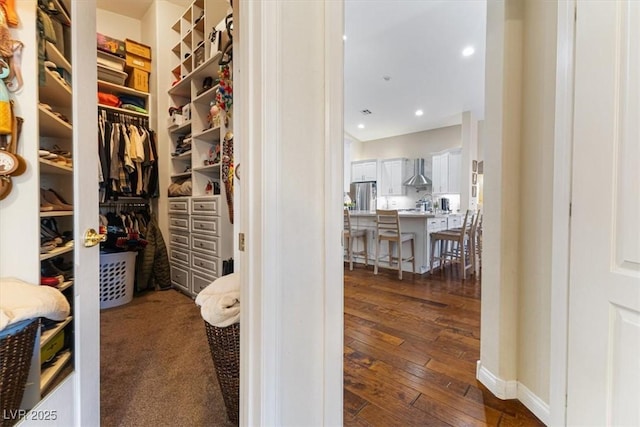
{"x":200,"y":240}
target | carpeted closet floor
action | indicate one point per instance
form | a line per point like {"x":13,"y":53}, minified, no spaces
{"x":155,"y":367}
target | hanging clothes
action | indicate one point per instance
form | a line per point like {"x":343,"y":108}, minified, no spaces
{"x":127,"y":153}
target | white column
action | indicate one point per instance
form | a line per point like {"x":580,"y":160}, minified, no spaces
{"x":288,"y":125}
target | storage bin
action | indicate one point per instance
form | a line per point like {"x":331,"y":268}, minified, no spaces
{"x":224,"y":345}
{"x":135,"y":61}
{"x":49,"y":351}
{"x":117,"y":273}
{"x":110,"y":75}
{"x":137,"y":48}
{"x":138,"y":80}
{"x":16,"y":350}
{"x":111,"y":61}
{"x":110,"y":45}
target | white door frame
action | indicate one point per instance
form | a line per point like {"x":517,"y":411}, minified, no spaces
{"x":560,"y":248}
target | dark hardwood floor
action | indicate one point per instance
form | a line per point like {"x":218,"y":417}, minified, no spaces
{"x":410,"y":352}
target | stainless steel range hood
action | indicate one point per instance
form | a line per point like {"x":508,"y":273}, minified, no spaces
{"x":418,"y":179}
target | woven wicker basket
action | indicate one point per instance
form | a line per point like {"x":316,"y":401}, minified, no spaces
{"x":224,"y":344}
{"x":16,"y":351}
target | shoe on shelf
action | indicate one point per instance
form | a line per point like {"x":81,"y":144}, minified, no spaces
{"x":47,"y":246}
{"x":49,"y":269}
{"x":54,"y":281}
{"x":53,"y":199}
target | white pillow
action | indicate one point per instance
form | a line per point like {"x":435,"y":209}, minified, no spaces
{"x":20,"y":300}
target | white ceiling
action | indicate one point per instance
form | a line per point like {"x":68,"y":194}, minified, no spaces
{"x":134,"y":8}
{"x":418,"y":43}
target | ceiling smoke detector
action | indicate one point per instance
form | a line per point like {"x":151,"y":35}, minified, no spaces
{"x":365,"y":112}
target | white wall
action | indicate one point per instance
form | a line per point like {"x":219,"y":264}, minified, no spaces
{"x":517,"y":147}
{"x":498,"y":333}
{"x":118,"y":26}
{"x":536,"y":191}
{"x":413,"y":145}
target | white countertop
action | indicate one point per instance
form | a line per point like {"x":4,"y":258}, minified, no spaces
{"x":407,"y":214}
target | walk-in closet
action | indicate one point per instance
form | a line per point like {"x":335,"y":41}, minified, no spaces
{"x":152,"y":94}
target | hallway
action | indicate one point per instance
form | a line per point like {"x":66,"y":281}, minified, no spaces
{"x":410,"y":352}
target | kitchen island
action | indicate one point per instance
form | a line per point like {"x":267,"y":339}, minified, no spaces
{"x":411,"y":221}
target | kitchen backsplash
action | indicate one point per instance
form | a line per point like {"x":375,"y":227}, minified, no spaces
{"x":409,"y":201}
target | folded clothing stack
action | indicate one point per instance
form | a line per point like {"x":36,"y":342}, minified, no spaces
{"x":220,"y":301}
{"x":20,"y":301}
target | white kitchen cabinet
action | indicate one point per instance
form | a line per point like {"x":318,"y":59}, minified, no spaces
{"x":393,"y":173}
{"x":455,"y":171}
{"x":446,"y":172}
{"x":364,"y":170}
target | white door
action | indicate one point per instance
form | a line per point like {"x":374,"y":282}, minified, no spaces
{"x":76,"y":401}
{"x":604,"y":306}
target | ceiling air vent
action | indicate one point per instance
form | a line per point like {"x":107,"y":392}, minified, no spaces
{"x":365,"y":112}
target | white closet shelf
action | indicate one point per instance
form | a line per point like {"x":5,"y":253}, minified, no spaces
{"x":199,"y":26}
{"x":54,"y":55}
{"x":181,"y":128}
{"x":51,"y":214}
{"x":114,"y":88}
{"x":181,"y":175}
{"x":65,"y":285}
{"x":208,"y":168}
{"x":182,"y":88}
{"x":208,"y":133}
{"x":55,"y":252}
{"x":205,"y":95}
{"x":182,"y":156}
{"x":52,"y":126}
{"x":123,"y":110}
{"x":55,"y":92}
{"x":50,"y":333}
{"x":53,"y":168}
{"x":207,"y":67}
{"x":47,"y":375}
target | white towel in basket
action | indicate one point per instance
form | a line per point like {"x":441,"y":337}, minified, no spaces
{"x":220,"y":301}
{"x":21,"y":301}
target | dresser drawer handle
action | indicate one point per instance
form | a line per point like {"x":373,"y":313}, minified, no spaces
{"x":201,"y":206}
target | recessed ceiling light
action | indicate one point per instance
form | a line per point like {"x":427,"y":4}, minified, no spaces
{"x":360,"y":126}
{"x":468,"y":51}
{"x":344,"y":37}
{"x":419,"y":113}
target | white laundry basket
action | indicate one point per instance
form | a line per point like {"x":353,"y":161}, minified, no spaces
{"x":117,"y":274}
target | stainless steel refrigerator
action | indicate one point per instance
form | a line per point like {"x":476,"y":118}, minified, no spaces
{"x":363,"y":194}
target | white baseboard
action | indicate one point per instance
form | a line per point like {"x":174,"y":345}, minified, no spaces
{"x":511,"y":389}
{"x":502,"y":389}
{"x":536,"y":405}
